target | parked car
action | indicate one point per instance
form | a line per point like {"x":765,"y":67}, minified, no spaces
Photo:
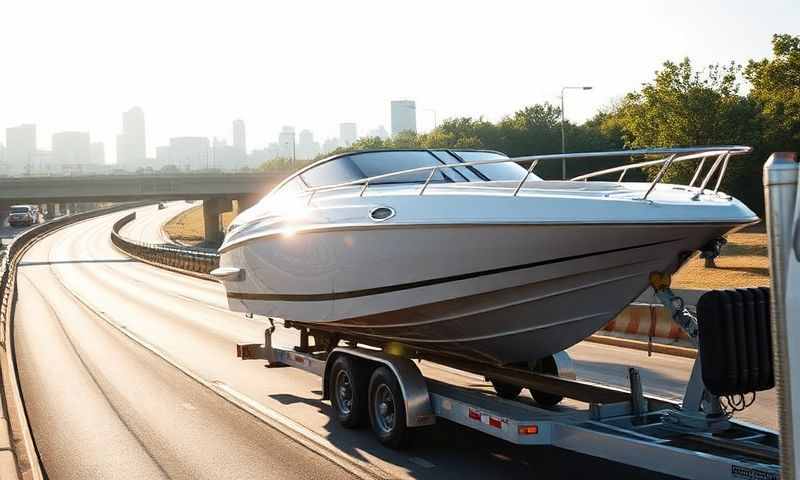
{"x":23,"y":215}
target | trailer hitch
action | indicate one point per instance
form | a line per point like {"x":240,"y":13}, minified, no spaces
{"x":677,"y":307}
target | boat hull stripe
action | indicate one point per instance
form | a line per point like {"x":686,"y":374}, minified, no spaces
{"x":324,"y":297}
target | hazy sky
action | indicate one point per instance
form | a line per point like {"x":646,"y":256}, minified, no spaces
{"x":194,"y":66}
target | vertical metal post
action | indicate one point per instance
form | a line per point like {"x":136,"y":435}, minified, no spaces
{"x":697,"y":172}
{"x":722,"y":172}
{"x":563,"y":133}
{"x":563,"y":139}
{"x":659,"y":175}
{"x":525,"y":178}
{"x":780,"y":191}
{"x":433,"y":171}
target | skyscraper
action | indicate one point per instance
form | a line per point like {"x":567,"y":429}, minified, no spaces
{"x":286,"y":141}
{"x":404,"y":116}
{"x":71,"y":148}
{"x":239,"y":139}
{"x":191,"y":153}
{"x":307,"y":148}
{"x":131,"y":146}
{"x":20,"y":148}
{"x":162,"y":156}
{"x":347,"y":133}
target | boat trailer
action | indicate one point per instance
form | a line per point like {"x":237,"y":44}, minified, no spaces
{"x":696,"y":438}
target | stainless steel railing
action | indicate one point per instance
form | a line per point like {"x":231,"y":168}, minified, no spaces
{"x":670,"y":156}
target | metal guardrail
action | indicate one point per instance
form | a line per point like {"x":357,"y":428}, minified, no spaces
{"x":194,"y":260}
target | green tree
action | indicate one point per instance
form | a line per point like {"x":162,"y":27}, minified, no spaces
{"x":776,"y":89}
{"x":685,"y":107}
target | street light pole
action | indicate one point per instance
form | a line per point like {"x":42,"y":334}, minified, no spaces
{"x":294,"y":148}
{"x":563,"y":134}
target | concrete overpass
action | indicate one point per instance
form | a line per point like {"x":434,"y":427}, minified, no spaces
{"x":218,"y":191}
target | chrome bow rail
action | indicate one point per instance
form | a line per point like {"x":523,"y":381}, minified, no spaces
{"x":668,"y":157}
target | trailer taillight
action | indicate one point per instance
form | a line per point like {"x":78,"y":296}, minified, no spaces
{"x":528,"y":429}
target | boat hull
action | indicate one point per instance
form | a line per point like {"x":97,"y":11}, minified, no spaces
{"x":495,"y":293}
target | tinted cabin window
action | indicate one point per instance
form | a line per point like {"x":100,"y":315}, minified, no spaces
{"x":456,"y":174}
{"x":20,"y":210}
{"x":497,"y":171}
{"x":371,"y":164}
{"x":340,"y":170}
{"x":379,"y":163}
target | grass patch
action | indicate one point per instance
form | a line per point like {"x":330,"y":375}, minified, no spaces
{"x":188,"y":227}
{"x":744,"y":263}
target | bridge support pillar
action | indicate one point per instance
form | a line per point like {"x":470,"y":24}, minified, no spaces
{"x":243,"y":203}
{"x":212,"y":209}
{"x":51,"y":210}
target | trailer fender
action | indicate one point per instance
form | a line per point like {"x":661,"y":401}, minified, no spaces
{"x":565,"y":366}
{"x":419,"y":411}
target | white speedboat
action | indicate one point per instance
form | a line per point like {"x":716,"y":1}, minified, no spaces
{"x":468,"y":253}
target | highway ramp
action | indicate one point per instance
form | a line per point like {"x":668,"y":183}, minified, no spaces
{"x":102,"y":405}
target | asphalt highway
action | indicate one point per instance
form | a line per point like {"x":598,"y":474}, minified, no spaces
{"x":148,"y":226}
{"x":129,"y":371}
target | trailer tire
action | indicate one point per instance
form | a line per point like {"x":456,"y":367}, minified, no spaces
{"x":387,"y":409}
{"x":547,"y":366}
{"x":509,"y":391}
{"x":348,"y":391}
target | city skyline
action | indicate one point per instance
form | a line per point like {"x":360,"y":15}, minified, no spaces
{"x":152,"y":68}
{"x":132,"y":138}
{"x":71,"y":148}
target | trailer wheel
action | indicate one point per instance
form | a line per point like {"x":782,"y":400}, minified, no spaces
{"x":387,"y":410}
{"x":348,"y":387}
{"x":547,"y":366}
{"x":509,"y":391}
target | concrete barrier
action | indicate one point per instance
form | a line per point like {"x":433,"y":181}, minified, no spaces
{"x":187,"y":260}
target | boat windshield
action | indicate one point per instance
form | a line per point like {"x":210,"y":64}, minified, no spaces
{"x":370,"y":164}
{"x":357,"y":166}
{"x":496,"y":171}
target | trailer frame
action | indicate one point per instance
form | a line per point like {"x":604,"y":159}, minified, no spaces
{"x":638,"y":431}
